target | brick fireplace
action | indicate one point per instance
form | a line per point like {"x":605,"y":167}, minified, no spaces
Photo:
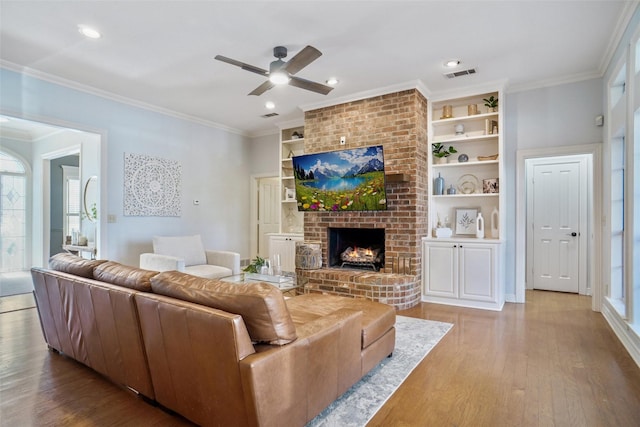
{"x":398,"y":121}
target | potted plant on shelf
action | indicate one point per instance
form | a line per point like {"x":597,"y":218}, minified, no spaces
{"x":491,"y":103}
{"x":440,"y":153}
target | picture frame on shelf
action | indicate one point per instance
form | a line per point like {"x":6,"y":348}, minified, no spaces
{"x":290,"y":194}
{"x":466,"y":221}
{"x":490,"y":186}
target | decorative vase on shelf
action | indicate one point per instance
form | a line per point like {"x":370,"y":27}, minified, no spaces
{"x":479,"y":226}
{"x":495,"y":220}
{"x":438,"y":186}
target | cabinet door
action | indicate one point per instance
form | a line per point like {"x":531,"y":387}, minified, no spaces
{"x":441,"y":265}
{"x":477,"y":271}
{"x":285,"y":246}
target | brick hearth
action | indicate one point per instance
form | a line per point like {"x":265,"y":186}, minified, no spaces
{"x":398,"y":122}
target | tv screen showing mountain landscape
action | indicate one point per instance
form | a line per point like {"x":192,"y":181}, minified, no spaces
{"x":344,"y":180}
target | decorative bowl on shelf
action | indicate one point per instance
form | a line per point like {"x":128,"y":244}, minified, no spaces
{"x":484,"y":158}
{"x":468,"y":184}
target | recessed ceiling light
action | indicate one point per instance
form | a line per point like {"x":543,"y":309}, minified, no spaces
{"x":89,"y":32}
{"x":270,"y":105}
{"x":452,"y":63}
{"x":332,"y":81}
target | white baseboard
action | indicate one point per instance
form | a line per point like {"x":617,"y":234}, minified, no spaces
{"x":625,"y":333}
{"x":510,"y":298}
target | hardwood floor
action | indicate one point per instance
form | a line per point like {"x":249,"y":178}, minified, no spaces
{"x":550,"y":362}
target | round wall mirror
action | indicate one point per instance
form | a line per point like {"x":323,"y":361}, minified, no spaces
{"x":91,"y":199}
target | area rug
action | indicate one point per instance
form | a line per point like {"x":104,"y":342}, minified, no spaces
{"x":414,"y":339}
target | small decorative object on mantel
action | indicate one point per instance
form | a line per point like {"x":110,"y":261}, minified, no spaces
{"x":472,"y":109}
{"x":485,"y":158}
{"x":463,"y":158}
{"x":459,"y":129}
{"x":296,"y":135}
{"x":451,"y":190}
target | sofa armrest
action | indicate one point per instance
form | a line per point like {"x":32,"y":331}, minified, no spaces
{"x":297,"y":381}
{"x":228,"y":259}
{"x":158,"y":262}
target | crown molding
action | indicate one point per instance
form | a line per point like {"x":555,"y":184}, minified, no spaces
{"x":415,"y":84}
{"x":621,"y":26}
{"x":113,"y":97}
{"x":574,"y":78}
{"x":461,"y":92}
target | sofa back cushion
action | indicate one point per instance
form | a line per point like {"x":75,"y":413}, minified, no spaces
{"x":261,"y":305}
{"x":73,"y":264}
{"x":189,"y":248}
{"x":124,"y":275}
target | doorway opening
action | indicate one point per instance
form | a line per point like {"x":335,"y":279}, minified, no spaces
{"x":588,"y":237}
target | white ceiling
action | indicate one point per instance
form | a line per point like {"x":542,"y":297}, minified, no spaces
{"x":161,"y":53}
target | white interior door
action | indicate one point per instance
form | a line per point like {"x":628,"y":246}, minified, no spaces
{"x":268,"y":205}
{"x":558,"y":218}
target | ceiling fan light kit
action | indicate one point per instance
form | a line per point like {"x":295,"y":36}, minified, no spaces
{"x":281,"y":72}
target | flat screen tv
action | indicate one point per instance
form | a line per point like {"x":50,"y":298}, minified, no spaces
{"x":343,"y":180}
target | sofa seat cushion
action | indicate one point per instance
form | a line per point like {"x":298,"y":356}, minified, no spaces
{"x":208,"y":271}
{"x":73,"y":264}
{"x":261,"y":305}
{"x":124,"y":275}
{"x":377,"y":318}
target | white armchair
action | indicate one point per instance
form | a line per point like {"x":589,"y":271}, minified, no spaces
{"x":187,"y":254}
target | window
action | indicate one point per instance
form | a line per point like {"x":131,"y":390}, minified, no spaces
{"x":71,"y":199}
{"x":13,"y":215}
{"x":617,"y":292}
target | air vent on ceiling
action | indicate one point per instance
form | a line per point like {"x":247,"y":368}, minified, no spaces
{"x":266,"y":116}
{"x":460,"y":73}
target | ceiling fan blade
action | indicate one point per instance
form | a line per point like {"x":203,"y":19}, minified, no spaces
{"x":262,"y":88}
{"x":242,"y":65}
{"x":309,"y":85}
{"x":303,"y":58}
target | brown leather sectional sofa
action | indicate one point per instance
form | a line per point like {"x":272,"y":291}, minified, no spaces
{"x":218,"y":353}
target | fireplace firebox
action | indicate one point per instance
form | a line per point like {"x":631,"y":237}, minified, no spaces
{"x":359,"y":248}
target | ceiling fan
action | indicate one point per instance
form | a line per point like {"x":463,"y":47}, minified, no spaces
{"x":281,"y":72}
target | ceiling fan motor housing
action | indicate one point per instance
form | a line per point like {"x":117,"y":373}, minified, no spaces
{"x":280,"y":52}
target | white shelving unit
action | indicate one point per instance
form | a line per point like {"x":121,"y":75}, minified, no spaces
{"x":462,"y":269}
{"x":291,"y":221}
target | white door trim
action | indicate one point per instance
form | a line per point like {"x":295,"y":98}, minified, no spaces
{"x":595,"y":237}
{"x":253,"y":211}
{"x":585,"y":280}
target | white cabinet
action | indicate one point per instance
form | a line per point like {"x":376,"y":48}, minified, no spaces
{"x":462,"y":272}
{"x":285,"y":246}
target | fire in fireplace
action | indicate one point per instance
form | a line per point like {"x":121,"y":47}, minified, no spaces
{"x":361,"y":248}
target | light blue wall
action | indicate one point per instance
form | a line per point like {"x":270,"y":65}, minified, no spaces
{"x":264,"y":155}
{"x":562,"y":115}
{"x":215,"y":169}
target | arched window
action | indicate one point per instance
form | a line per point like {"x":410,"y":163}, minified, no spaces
{"x":13,"y":214}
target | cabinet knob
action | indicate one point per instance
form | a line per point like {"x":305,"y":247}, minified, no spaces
{"x":455,"y":246}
